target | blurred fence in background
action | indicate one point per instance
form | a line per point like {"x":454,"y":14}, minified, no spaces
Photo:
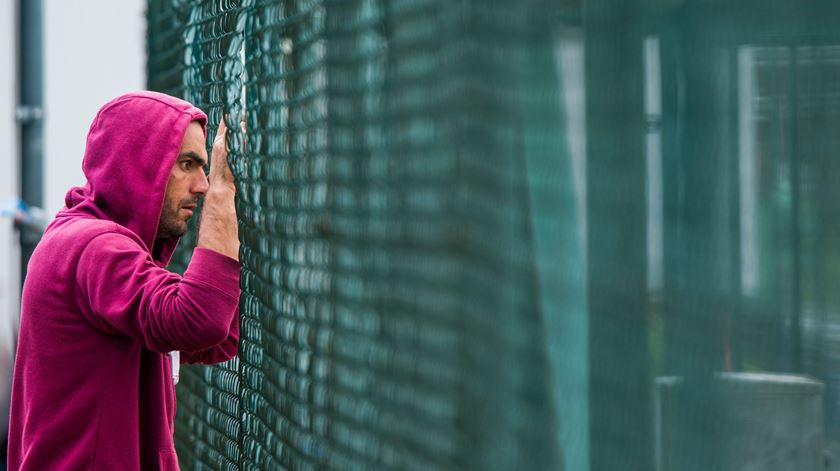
{"x":532,"y":235}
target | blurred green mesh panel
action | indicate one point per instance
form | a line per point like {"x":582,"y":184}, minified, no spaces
{"x":387,"y":253}
{"x":165,"y":22}
{"x":393,"y":309}
{"x":436,"y":277}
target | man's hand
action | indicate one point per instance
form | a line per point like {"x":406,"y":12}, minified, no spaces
{"x":218,"y":229}
{"x":220,"y":173}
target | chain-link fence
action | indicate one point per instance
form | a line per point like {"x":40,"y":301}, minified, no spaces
{"x":494,"y":235}
{"x":391,"y":314}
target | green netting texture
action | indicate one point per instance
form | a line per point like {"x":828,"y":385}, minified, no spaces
{"x":487,"y":235}
{"x":391,"y":311}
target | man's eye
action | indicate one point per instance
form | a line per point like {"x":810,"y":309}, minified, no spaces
{"x":186,"y":164}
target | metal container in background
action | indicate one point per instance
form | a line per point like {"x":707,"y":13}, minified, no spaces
{"x":767,"y":422}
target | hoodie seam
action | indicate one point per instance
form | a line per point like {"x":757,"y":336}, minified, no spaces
{"x":79,"y":287}
{"x":101,"y":414}
{"x":146,"y":97}
{"x":214,"y":288}
{"x":190,"y":279}
{"x":85,"y":247}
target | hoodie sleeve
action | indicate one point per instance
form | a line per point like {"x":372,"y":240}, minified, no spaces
{"x":221,"y":352}
{"x":122,"y":291}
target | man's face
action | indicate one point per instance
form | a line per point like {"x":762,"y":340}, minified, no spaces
{"x":187,"y":183}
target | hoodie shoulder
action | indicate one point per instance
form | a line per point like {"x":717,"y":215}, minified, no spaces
{"x":54,"y":265}
{"x":79,"y":231}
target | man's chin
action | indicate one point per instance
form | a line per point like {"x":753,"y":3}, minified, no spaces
{"x":182,"y":229}
{"x":173,"y":231}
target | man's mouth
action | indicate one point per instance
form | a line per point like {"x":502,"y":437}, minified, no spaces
{"x":189,"y":208}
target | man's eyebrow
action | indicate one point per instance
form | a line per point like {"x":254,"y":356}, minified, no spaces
{"x":195,"y":157}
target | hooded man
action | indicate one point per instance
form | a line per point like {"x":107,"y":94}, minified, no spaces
{"x":102,"y":320}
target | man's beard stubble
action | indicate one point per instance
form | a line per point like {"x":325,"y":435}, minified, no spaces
{"x":171,"y":225}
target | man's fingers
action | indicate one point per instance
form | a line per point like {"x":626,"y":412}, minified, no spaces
{"x":222,"y":128}
{"x":220,"y":141}
{"x":220,"y":171}
{"x":218,"y":159}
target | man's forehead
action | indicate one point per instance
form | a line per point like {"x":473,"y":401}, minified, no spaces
{"x":193,"y":144}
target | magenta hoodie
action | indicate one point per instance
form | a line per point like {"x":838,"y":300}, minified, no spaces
{"x":93,"y":386}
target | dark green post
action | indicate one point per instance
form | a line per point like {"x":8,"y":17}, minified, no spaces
{"x":796,"y":214}
{"x":699,"y":145}
{"x":30,"y":118}
{"x":619,"y":381}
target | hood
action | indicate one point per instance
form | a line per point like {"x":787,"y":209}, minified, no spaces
{"x":131,"y":147}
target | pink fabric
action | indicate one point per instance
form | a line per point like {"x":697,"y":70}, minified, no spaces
{"x":93,"y":384}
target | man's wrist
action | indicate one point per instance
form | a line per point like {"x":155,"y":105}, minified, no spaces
{"x":221,"y":188}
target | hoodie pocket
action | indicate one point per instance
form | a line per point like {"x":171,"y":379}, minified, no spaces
{"x":168,"y":461}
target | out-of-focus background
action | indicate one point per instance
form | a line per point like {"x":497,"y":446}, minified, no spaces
{"x":78,"y":55}
{"x":483,"y":234}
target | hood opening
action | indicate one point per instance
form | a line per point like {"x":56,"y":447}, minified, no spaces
{"x":131,"y":148}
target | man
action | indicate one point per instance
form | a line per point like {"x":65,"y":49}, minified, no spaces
{"x":101,"y":319}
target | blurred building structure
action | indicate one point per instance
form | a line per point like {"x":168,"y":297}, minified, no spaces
{"x":92,"y":51}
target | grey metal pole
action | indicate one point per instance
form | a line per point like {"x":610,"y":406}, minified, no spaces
{"x":29,"y":116}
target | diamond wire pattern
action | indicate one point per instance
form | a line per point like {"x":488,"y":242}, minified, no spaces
{"x":389,"y":312}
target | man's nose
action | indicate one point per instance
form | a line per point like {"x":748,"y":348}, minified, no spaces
{"x":200,"y":184}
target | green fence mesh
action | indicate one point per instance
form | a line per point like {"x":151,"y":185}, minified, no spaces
{"x":493,"y":235}
{"x":389,"y":286}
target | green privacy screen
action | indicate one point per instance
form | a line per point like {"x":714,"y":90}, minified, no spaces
{"x":494,"y":235}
